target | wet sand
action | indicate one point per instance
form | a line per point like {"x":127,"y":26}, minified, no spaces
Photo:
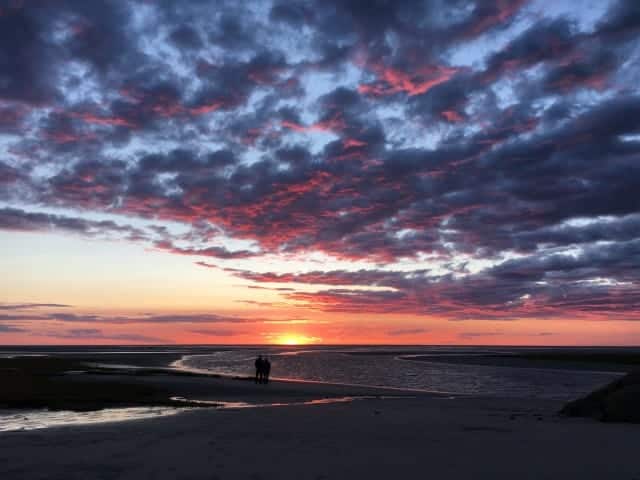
{"x":425,"y":437}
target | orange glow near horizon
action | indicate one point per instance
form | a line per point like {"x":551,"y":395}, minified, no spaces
{"x":126,"y":299}
{"x":295,"y":339}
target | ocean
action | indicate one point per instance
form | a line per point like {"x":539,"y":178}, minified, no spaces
{"x":456,"y":370}
{"x":559,"y":374}
{"x":447,"y":369}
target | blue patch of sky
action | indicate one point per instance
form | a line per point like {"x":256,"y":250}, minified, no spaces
{"x":79,"y":85}
{"x":402,"y":132}
{"x":474,"y":53}
{"x":586,"y":13}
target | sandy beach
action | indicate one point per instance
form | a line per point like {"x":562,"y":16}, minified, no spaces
{"x":381,"y":434}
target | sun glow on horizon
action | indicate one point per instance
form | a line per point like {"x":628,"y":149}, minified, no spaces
{"x":295,"y":339}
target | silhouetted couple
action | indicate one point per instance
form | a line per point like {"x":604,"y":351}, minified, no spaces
{"x":263,"y":368}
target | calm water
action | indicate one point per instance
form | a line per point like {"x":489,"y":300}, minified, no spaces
{"x":394,"y":367}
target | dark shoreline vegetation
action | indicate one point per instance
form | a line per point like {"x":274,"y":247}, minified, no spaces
{"x":71,"y":384}
{"x":605,"y":361}
{"x":618,"y":401}
{"x":580,"y":359}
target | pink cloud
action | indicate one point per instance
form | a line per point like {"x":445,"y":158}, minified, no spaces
{"x":496,"y":14}
{"x":392,"y":80}
{"x":452,"y":116}
{"x":335,"y":123}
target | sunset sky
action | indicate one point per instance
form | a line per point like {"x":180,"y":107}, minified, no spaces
{"x":355,"y":171}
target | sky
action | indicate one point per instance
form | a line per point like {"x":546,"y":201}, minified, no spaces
{"x":330,"y":172}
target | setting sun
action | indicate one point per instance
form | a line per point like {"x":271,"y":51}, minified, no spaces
{"x":295,"y":339}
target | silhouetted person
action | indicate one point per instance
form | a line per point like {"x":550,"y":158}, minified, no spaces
{"x":267,"y":369}
{"x":259,"y":363}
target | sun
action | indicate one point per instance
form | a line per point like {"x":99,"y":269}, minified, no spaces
{"x":295,"y":339}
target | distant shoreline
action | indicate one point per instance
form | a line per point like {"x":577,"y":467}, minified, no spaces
{"x":605,"y":363}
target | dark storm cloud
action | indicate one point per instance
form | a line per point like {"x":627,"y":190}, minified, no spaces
{"x":340,"y":127}
{"x":622,"y":21}
{"x":233,"y":32}
{"x":100,"y":33}
{"x":291,"y":13}
{"x":32,"y":54}
{"x":26,"y":68}
{"x":544,"y":41}
{"x":187,"y":37}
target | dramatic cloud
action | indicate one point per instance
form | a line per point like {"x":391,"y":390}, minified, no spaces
{"x":159,"y":319}
{"x":335,"y":277}
{"x":493,"y":145}
{"x":195,"y":318}
{"x":29,"y":306}
{"x":596,"y":282}
{"x":467,"y":335}
{"x":215,"y":332}
{"x":93,"y":334}
{"x":10,"y":329}
{"x":216,"y":252}
{"x":20,"y":220}
{"x":408,"y":331}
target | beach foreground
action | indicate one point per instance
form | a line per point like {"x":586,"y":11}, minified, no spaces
{"x":378,"y":437}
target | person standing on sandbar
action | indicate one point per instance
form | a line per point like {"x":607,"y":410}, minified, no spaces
{"x":266,"y":365}
{"x":259,"y":363}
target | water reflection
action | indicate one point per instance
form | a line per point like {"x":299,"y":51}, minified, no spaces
{"x":12,"y":420}
{"x":235,"y":405}
{"x":395,"y":368}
